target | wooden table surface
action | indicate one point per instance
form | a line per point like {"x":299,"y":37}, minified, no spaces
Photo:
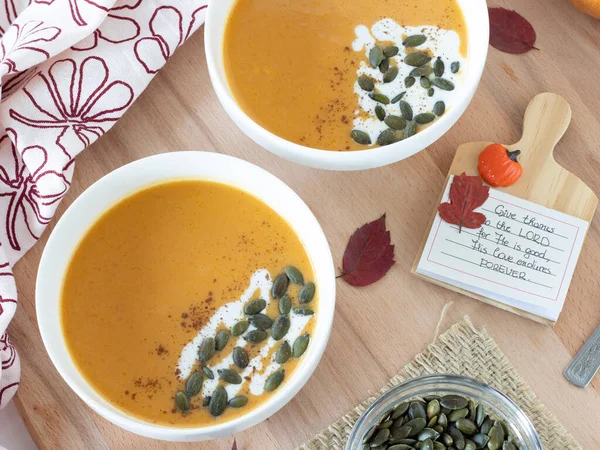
{"x":378,"y":329}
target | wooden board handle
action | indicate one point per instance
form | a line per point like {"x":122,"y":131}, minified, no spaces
{"x":546,"y":120}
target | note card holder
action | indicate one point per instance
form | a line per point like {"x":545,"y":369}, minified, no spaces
{"x":544,"y":181}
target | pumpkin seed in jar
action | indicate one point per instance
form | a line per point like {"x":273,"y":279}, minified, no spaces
{"x":256,"y":336}
{"x":206,"y":350}
{"x":261,"y":321}
{"x":443,"y":84}
{"x":239,"y":401}
{"x":416,"y":425}
{"x":409,"y":81}
{"x":470,"y":445}
{"x":193,"y":384}
{"x":366,"y":84}
{"x":422,"y":71}
{"x":240,"y":357}
{"x":439,"y":109}
{"x":209,"y":373}
{"x":416,"y":409}
{"x":398,"y":97}
{"x":417,"y":59}
{"x":285,"y":305}
{"x":425,"y":82}
{"x":360,"y":137}
{"x":280,"y":327}
{"x":415,"y":40}
{"x":380,"y":112}
{"x":466,"y":426}
{"x":283,"y":353}
{"x":406,"y":110}
{"x":274,"y":380}
{"x":411,"y":129}
{"x":458,"y":414}
{"x":390,"y":75}
{"x":239,"y":328}
{"x":509,"y":446}
{"x":496,"y":436}
{"x":307,"y":293}
{"x":255,"y":306}
{"x":221,"y":340}
{"x":453,"y":402}
{"x":480,"y":439}
{"x":390,"y":51}
{"x":300,"y":345}
{"x":375,"y":56}
{"x":380,"y":437}
{"x":427,"y":444}
{"x":379,"y":98}
{"x":230,"y":376}
{"x":439,"y":67}
{"x":280,"y":286}
{"x":218,"y":401}
{"x":395,"y":122}
{"x":294,"y":275}
{"x":428,"y":433}
{"x":400,"y":410}
{"x":433,"y":409}
{"x":455,"y":67}
{"x":182,"y":402}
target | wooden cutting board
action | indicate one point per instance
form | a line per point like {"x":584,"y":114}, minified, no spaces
{"x":544,"y":181}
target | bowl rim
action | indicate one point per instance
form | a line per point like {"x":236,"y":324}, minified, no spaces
{"x":54,"y":341}
{"x":357,"y":159}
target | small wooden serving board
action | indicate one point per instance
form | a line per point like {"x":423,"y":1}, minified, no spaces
{"x":544,"y":181}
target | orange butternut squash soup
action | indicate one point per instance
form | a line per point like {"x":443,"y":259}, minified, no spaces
{"x":345,"y":74}
{"x":188,"y":303}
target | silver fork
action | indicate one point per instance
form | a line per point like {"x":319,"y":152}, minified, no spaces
{"x":586,"y":363}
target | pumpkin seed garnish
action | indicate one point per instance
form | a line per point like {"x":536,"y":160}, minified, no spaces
{"x":415,"y":40}
{"x":239,"y":328}
{"x":307,"y":293}
{"x":425,"y":82}
{"x":398,"y":97}
{"x":280,"y":286}
{"x":261,"y":321}
{"x":390,"y":75}
{"x":256,"y":336}
{"x":410,"y":130}
{"x":409,"y":82}
{"x":300,"y":345}
{"x":230,"y":376}
{"x":395,"y":122}
{"x":182,"y":402}
{"x":439,"y":67}
{"x":280,"y":327}
{"x":206,"y":350}
{"x":366,"y":83}
{"x":386,"y":137}
{"x":285,"y":305}
{"x":379,"y":97}
{"x":255,"y":306}
{"x":359,"y":137}
{"x":423,"y":71}
{"x":218,"y":401}
{"x":283,"y":352}
{"x":439,"y":109}
{"x":303,"y":311}
{"x":430,"y":92}
{"x":390,"y":51}
{"x":294,"y":275}
{"x":380,"y":112}
{"x":384,"y":65}
{"x":194,"y":384}
{"x":206,"y":401}
{"x":209,"y":373}
{"x":417,"y":59}
{"x":443,"y":84}
{"x":274,"y":380}
{"x":239,"y":401}
{"x":375,"y":56}
{"x":221,"y":340}
{"x":406,"y":110}
{"x":424,"y":118}
{"x":455,"y":67}
{"x":240,"y":357}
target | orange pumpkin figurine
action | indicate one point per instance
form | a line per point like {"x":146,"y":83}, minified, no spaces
{"x":498,"y":166}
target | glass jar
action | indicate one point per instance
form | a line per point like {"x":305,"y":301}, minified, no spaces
{"x":497,"y":406}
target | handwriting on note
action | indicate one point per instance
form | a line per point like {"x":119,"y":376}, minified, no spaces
{"x":523,"y":251}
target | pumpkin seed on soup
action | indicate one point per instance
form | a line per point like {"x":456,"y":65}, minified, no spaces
{"x":261,"y":321}
{"x":366,"y":83}
{"x":390,"y":51}
{"x":406,"y":110}
{"x":360,"y":137}
{"x":384,"y":65}
{"x":410,"y":130}
{"x":439,"y":108}
{"x":425,"y":82}
{"x":379,"y":97}
{"x":294,"y":275}
{"x":307,"y":293}
{"x":455,"y":67}
{"x":194,"y":384}
{"x":415,"y":40}
{"x":423,"y":71}
{"x":206,"y":350}
{"x":239,"y":401}
{"x":390,"y":75}
{"x":280,"y":327}
{"x":395,"y":122}
{"x":409,"y":81}
{"x":285,"y":305}
{"x":424,"y":118}
{"x":283,"y":352}
{"x":375,"y":56}
{"x":398,"y":97}
{"x":240,"y":357}
{"x":439,"y":67}
{"x":239,"y":328}
{"x":182,"y":402}
{"x":280,"y":286}
{"x":218,"y":401}
{"x":221,"y":340}
{"x":209,"y":373}
{"x":274,"y":380}
{"x":443,"y":84}
{"x":386,"y":137}
{"x":255,"y":306}
{"x":300,"y":345}
{"x":430,"y":92}
{"x":380,"y":112}
{"x":256,"y":336}
{"x":417,"y":59}
{"x":303,"y":311}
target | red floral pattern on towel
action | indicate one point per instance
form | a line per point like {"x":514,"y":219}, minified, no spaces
{"x":63,"y":84}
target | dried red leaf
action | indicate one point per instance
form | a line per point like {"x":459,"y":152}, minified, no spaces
{"x":466,"y":194}
{"x":510,"y":32}
{"x":234,"y":445}
{"x":369,"y":254}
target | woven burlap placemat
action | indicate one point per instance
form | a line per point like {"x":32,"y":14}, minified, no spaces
{"x":462,"y":350}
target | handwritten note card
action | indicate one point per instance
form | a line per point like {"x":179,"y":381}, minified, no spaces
{"x":524,"y":255}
